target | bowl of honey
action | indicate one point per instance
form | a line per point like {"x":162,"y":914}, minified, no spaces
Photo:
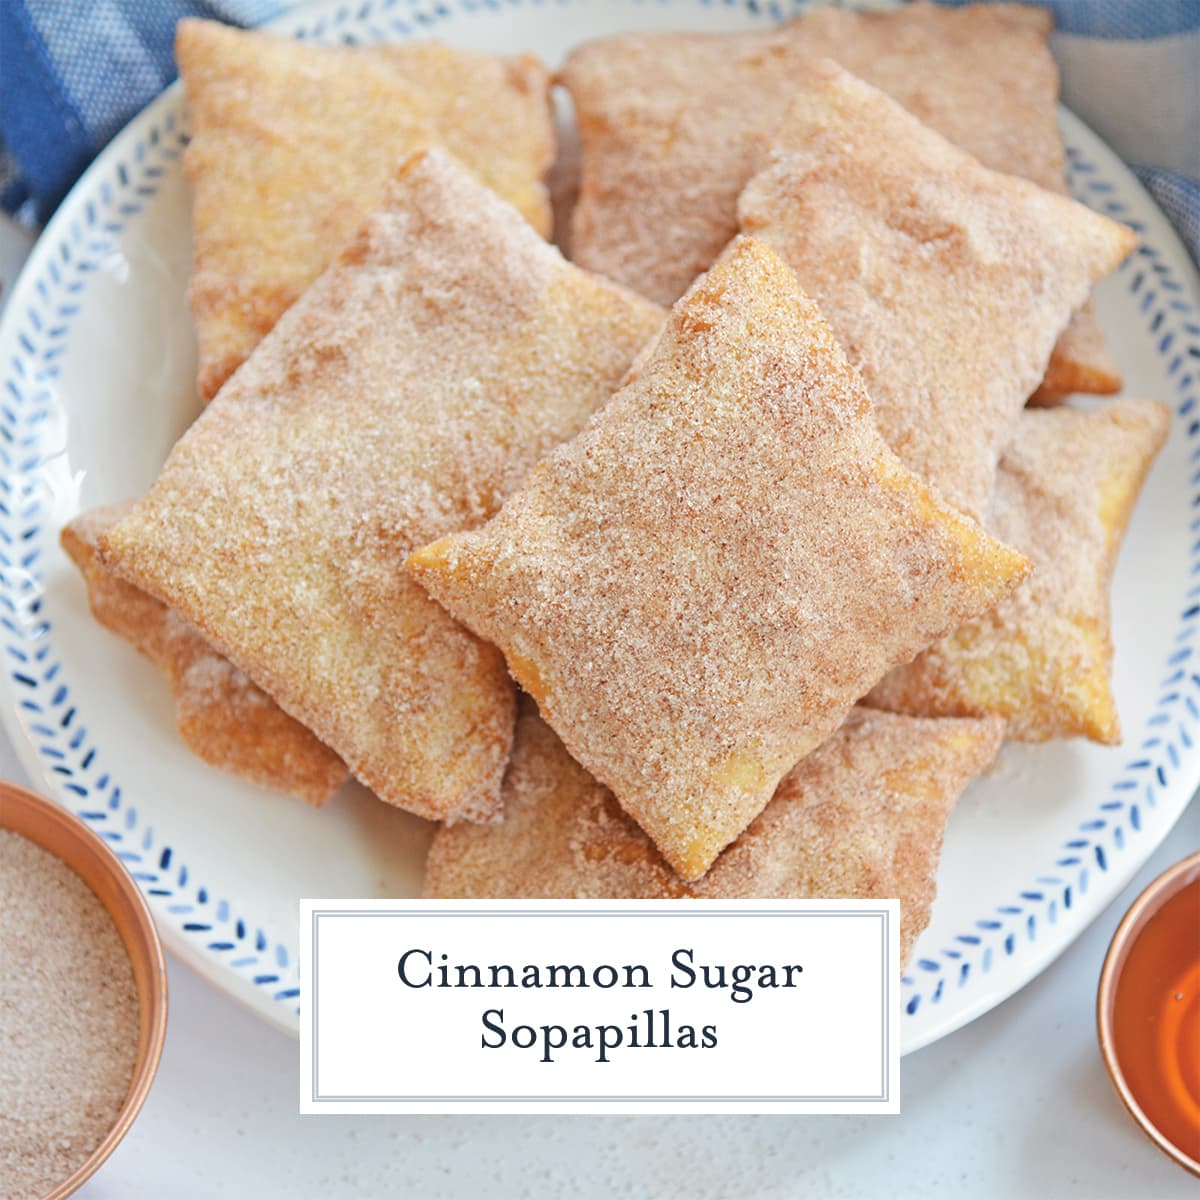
{"x":1148,"y":1012}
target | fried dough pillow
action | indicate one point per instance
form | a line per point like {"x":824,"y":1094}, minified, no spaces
{"x":698,"y":588}
{"x":404,"y":396}
{"x":1042,"y":658}
{"x":947,"y":283}
{"x":293,"y":145}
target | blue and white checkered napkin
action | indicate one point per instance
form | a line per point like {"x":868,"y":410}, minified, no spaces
{"x":72,"y":72}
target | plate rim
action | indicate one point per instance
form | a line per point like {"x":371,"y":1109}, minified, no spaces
{"x":109,"y":170}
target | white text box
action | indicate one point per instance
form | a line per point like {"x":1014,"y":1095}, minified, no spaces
{"x":593,"y":1007}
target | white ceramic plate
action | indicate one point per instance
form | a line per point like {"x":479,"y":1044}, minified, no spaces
{"x":96,"y":382}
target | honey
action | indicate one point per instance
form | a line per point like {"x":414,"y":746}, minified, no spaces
{"x":1156,"y":1019}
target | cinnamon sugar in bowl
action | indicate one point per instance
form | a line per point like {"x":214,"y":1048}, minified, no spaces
{"x":83,"y":1000}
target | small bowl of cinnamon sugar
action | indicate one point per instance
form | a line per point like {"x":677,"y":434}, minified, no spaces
{"x":83,"y":999}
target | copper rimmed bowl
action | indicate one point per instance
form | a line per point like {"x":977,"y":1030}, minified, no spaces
{"x":54,"y":829}
{"x":1145,"y":908}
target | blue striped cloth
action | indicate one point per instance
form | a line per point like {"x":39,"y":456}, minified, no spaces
{"x":72,"y":72}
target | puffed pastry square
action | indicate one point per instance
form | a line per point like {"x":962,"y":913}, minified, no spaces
{"x":672,"y":124}
{"x":293,"y":144}
{"x":222,"y":716}
{"x":861,"y":817}
{"x":403,"y":397}
{"x":947,"y":283}
{"x":698,"y":588}
{"x":1042,"y":658}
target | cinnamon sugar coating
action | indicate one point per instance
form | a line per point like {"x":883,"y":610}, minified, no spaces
{"x":861,"y":817}
{"x":1043,"y":657}
{"x":294,"y":144}
{"x":698,"y":587}
{"x":222,"y":716}
{"x":946,"y":283}
{"x":401,"y":398}
{"x":672,"y":126}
